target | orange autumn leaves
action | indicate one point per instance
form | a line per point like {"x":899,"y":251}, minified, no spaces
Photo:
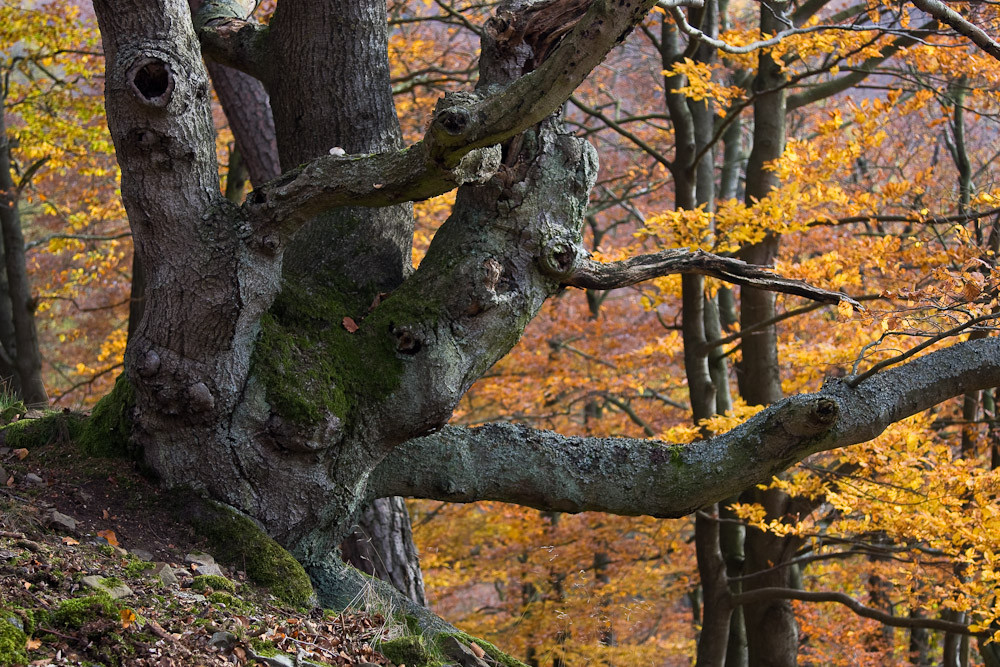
{"x":78,"y":253}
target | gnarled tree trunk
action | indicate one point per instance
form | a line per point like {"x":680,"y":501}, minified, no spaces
{"x":289,"y":365}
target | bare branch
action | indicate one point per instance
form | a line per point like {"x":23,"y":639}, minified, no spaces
{"x":77,"y":237}
{"x":544,"y":470}
{"x":589,"y":274}
{"x":959,"y":24}
{"x":726,"y":47}
{"x":855,"y":381}
{"x":761,"y":594}
{"x":931,"y":219}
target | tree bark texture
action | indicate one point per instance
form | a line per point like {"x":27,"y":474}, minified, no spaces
{"x":199,"y":387}
{"x":772,"y":632}
{"x":381,"y":543}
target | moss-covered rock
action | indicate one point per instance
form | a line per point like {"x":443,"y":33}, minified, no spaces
{"x":74,"y":613}
{"x":204,"y":582}
{"x":239,"y":542}
{"x":13,"y":642}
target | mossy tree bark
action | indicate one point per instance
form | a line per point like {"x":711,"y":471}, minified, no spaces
{"x":381,"y":543}
{"x":288,"y":362}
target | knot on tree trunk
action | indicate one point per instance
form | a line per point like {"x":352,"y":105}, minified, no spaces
{"x":151,"y":81}
{"x":795,"y":421}
{"x":558,"y":259}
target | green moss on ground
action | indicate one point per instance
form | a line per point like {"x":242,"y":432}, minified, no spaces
{"x":108,"y":431}
{"x":230,"y":601}
{"x":13,"y":642}
{"x":52,"y":427}
{"x":136,"y":566}
{"x":74,"y":613}
{"x":237,"y":541}
{"x":205,"y":581}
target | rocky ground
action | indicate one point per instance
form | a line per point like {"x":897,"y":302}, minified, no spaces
{"x":95,"y":571}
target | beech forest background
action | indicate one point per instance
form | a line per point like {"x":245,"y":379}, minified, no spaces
{"x":886,"y":189}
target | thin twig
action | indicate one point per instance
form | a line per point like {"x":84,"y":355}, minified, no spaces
{"x":855,"y":381}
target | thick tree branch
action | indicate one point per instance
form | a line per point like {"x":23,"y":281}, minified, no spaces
{"x":463,"y":122}
{"x":382,"y":179}
{"x":537,"y":94}
{"x":589,"y":274}
{"x":960,"y":24}
{"x":761,"y":594}
{"x":229,"y":38}
{"x":547,"y":471}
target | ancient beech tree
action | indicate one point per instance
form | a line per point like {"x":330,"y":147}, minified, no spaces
{"x":291,"y":364}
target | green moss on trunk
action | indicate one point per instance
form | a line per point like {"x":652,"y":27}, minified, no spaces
{"x":238,"y":542}
{"x":108,"y":431}
{"x":312,"y":366}
{"x":412,"y":651}
{"x":418,"y":651}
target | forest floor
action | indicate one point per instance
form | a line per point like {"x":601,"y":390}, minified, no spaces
{"x":77,"y":532}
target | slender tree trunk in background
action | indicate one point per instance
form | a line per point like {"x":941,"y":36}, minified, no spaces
{"x":27,"y":361}
{"x":732,"y":535}
{"x":772,"y":632}
{"x":879,"y":597}
{"x":920,"y":643}
{"x":956,"y":647}
{"x":694,"y":185}
{"x":9,"y":379}
{"x":601,"y":562}
{"x":382,"y":546}
{"x":992,"y":426}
